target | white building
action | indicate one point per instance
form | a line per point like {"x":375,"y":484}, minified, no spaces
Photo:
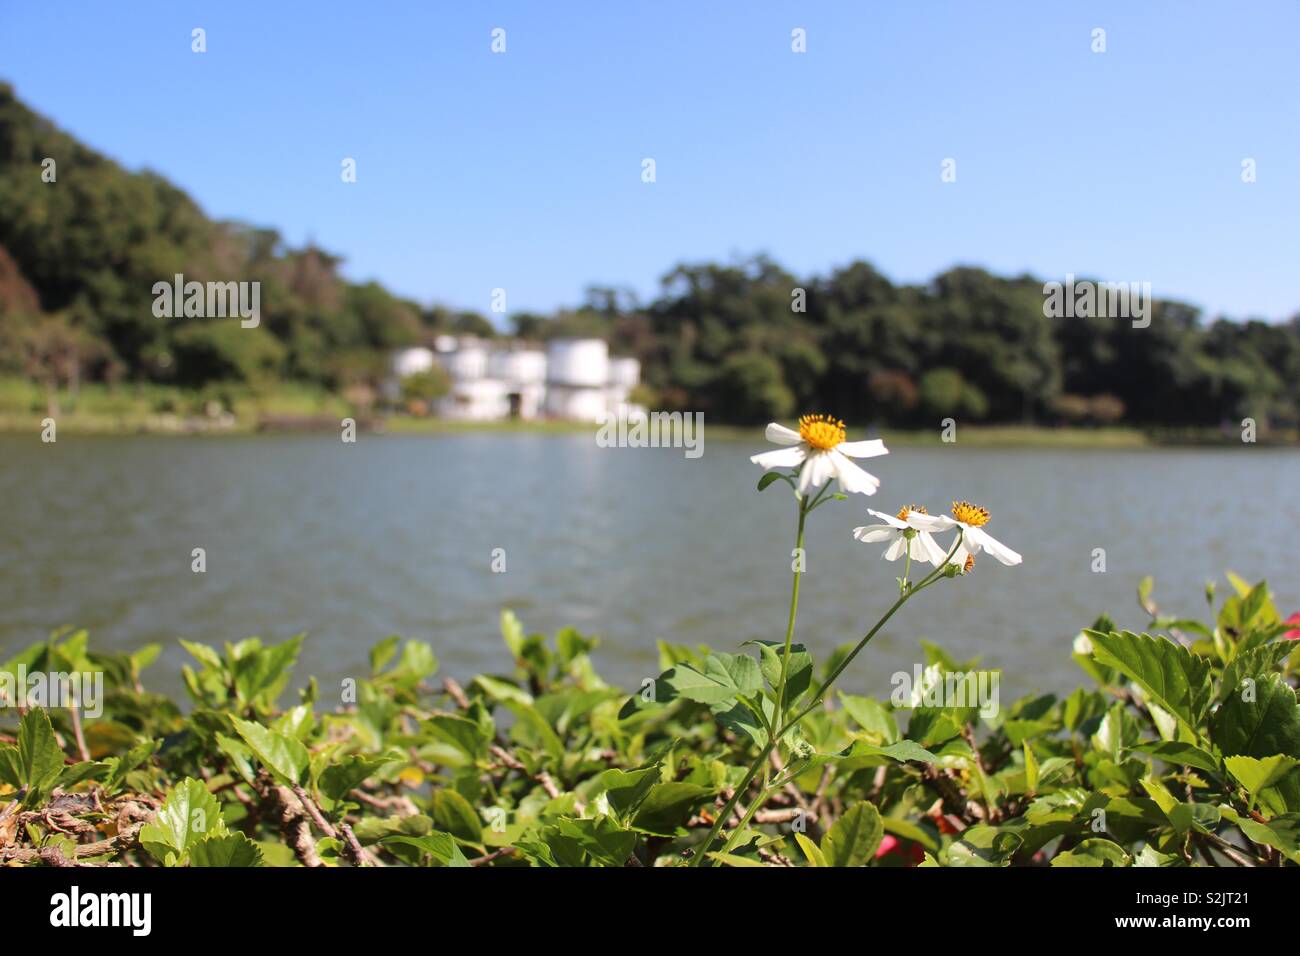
{"x":411,"y":361}
{"x":574,"y":379}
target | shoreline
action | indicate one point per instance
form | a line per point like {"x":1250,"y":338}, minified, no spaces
{"x":983,"y":436}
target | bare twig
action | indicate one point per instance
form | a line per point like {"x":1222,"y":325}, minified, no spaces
{"x":455,"y":692}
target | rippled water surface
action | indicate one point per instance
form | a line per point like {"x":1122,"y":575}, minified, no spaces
{"x":395,"y":535}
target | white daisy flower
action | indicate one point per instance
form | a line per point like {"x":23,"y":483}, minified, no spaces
{"x":971,"y":519}
{"x":903,"y":535}
{"x":819,"y":446}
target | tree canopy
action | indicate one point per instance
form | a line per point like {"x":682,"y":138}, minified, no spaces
{"x":744,"y":342}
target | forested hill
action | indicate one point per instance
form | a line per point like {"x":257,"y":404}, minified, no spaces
{"x":742,"y":342}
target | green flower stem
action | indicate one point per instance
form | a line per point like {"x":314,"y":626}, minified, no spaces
{"x":794,"y":608}
{"x":725,"y":814}
{"x":848,"y":659}
{"x":763,"y":795}
{"x":774,"y":738}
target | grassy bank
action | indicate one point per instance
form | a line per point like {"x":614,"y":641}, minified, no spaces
{"x":98,"y":409}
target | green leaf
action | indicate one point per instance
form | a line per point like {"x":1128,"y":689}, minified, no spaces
{"x":85,"y":770}
{"x":262,"y":673}
{"x":441,"y":848}
{"x":286,"y":758}
{"x":1255,"y":663}
{"x":669,"y":805}
{"x":1094,"y":852}
{"x":1282,"y":833}
{"x":872,"y":716}
{"x":735,"y":859}
{"x":810,"y":850}
{"x":382,"y":653}
{"x":39,"y":757}
{"x":1260,"y":727}
{"x":1152,"y":857}
{"x":343,"y":776}
{"x":741,"y":717}
{"x":984,"y":846}
{"x":1180,"y":754}
{"x":862,"y":753}
{"x":602,"y":839}
{"x":189,"y":814}
{"x":930,"y":726}
{"x":625,"y":789}
{"x":1173,"y":676}
{"x":532,"y":730}
{"x":502,"y":691}
{"x":1255,"y":774}
{"x":798,"y":673}
{"x":1201,"y":817}
{"x":205,"y":655}
{"x":1031,"y":768}
{"x":465,"y":735}
{"x":512,"y":632}
{"x":725,"y":677}
{"x":908,"y":830}
{"x":227,"y":850}
{"x":854,"y":837}
{"x":453,"y":813}
{"x":771,"y":476}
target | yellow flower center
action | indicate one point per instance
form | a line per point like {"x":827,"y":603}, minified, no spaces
{"x":970,"y":514}
{"x":821,"y":431}
{"x":911,"y":509}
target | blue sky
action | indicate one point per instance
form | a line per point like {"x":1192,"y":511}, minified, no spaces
{"x":523,"y":170}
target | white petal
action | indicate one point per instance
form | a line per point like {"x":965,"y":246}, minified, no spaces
{"x":780,"y":458}
{"x":896,"y":550}
{"x":875,"y":532}
{"x":929,"y":549}
{"x":816,"y":471}
{"x":780,"y":435}
{"x":890,"y":520}
{"x":930,"y":522}
{"x":862,"y":449}
{"x":979,"y":538}
{"x":852,"y":478}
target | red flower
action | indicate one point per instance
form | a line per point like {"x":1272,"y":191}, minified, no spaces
{"x":1294,"y":633}
{"x":891,"y":844}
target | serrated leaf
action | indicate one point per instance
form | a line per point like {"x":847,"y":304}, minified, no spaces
{"x":1255,"y":773}
{"x":1178,"y":680}
{"x":189,"y":814}
{"x":286,"y":758}
{"x":854,"y":837}
{"x":227,"y":850}
{"x":39,"y":757}
{"x":1267,"y":725}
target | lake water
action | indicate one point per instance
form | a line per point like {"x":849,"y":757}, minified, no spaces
{"x":395,"y":534}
